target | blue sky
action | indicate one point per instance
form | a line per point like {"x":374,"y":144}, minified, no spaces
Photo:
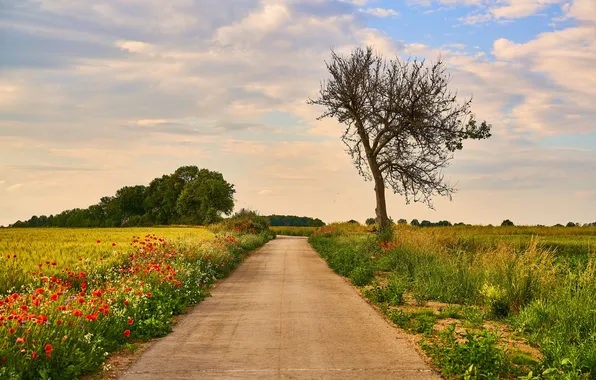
{"x":95,"y":95}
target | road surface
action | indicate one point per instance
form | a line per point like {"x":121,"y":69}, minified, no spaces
{"x":283,"y":314}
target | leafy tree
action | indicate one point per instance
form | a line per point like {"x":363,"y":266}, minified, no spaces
{"x":370,"y":221}
{"x":403,"y":124}
{"x":402,"y":221}
{"x":425,"y":223}
{"x":570,"y":224}
{"x":205,"y":197}
{"x":415,"y":222}
{"x":507,"y":223}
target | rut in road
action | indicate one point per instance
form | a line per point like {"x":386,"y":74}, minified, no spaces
{"x":283,"y":314}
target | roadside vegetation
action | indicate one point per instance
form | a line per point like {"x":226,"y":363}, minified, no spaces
{"x":70,"y":297}
{"x":293,"y":231}
{"x":486,"y":302}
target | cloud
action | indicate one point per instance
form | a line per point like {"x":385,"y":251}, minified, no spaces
{"x":124,"y":91}
{"x":380,"y":12}
{"x":15,"y":187}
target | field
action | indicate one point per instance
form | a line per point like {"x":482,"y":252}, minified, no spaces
{"x":486,"y":302}
{"x":52,"y":250}
{"x":293,"y":231}
{"x":69,"y":297}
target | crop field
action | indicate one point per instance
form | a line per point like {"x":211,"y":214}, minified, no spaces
{"x":69,"y":297}
{"x":23,"y":251}
{"x":293,"y":231}
{"x":486,"y":302}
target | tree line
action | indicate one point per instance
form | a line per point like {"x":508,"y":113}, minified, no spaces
{"x":188,"y":196}
{"x":294,"y":221}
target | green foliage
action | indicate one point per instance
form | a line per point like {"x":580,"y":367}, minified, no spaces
{"x":470,"y":355}
{"x":392,"y":294}
{"x":293,"y":231}
{"x":188,"y":196}
{"x":294,"y":221}
{"x":362,"y":275}
{"x":507,"y":223}
{"x":204,"y":197}
{"x":244,"y":221}
{"x":370,"y":221}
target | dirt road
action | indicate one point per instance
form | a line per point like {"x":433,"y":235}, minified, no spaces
{"x":283,"y":314}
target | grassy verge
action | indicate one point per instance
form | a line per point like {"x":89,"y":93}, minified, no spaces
{"x":65,"y":325}
{"x":491,"y":311}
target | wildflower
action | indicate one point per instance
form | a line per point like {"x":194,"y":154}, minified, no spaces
{"x":59,"y":322}
{"x":130,"y":321}
{"x":34,"y":355}
{"x":20,"y":340}
{"x":127,"y":333}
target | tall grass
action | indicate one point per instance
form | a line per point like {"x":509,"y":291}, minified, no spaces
{"x":549,"y":297}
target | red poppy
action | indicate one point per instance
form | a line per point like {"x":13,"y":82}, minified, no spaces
{"x":34,"y":355}
{"x":99,"y":241}
{"x":127,"y":333}
{"x":130,"y":321}
{"x":59,"y":322}
{"x":11,"y":330}
{"x":20,"y":340}
{"x":48,"y":348}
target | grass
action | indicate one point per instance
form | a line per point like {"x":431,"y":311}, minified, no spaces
{"x":293,"y":231}
{"x":536,"y":282}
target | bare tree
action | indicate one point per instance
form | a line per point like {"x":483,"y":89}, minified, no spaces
{"x":402,"y":123}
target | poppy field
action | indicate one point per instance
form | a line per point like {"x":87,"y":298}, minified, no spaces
{"x":70,"y":297}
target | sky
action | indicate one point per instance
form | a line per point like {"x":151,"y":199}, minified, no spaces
{"x":97,"y":95}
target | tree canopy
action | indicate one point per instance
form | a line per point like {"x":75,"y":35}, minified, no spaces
{"x":295,"y":221}
{"x":188,"y":196}
{"x":402,"y":123}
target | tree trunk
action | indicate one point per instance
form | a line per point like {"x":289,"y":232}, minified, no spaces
{"x":381,"y":209}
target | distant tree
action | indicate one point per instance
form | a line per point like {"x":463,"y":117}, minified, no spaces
{"x":370,"y":221}
{"x":558,"y":225}
{"x":352,"y":221}
{"x":159,"y":203}
{"x":425,"y":223}
{"x":403,"y":124}
{"x":402,"y":221}
{"x":571,"y":224}
{"x":205,"y":197}
{"x":293,"y":220}
{"x":507,"y":223}
{"x":415,"y":222}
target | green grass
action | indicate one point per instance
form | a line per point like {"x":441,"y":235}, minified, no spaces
{"x":540,"y":281}
{"x":293,"y":231}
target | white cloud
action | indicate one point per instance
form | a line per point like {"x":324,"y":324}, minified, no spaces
{"x":15,"y":187}
{"x":380,"y":12}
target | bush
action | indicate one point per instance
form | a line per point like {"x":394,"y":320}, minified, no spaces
{"x":244,"y":221}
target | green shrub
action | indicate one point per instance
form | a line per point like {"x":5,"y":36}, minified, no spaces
{"x":244,"y":221}
{"x":362,"y":275}
{"x":472,"y":356}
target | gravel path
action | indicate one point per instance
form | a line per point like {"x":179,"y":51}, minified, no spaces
{"x":283,"y":314}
